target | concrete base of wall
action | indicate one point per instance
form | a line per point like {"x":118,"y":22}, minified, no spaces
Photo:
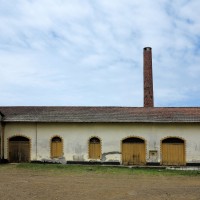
{"x":158,"y":164}
{"x":75,"y":162}
{"x":193,"y":164}
{"x":3,"y":161}
{"x":93,"y":163}
{"x":153,"y":164}
{"x":45,"y":162}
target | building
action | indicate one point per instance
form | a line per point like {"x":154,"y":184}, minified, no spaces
{"x":119,"y":135}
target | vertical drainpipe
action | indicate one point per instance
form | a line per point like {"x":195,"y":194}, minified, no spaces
{"x":36,"y":138}
{"x":148,"y":78}
{"x":3,"y":129}
{"x":2,"y":136}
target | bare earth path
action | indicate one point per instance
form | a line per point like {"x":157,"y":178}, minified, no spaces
{"x":32,"y":184}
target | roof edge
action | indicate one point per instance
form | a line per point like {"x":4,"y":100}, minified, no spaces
{"x":101,"y":107}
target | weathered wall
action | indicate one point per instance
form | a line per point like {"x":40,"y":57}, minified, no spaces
{"x":76,"y":135}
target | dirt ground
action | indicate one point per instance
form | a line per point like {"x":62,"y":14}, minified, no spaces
{"x":29,"y":184}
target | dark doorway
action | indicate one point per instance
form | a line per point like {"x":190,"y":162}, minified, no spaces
{"x":19,"y":149}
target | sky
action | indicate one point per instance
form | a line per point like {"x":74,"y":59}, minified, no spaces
{"x":90,"y":52}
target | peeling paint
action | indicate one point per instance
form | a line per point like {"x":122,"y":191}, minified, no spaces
{"x":78,"y":149}
{"x":111,"y":156}
{"x":55,"y":160}
{"x":78,"y":157}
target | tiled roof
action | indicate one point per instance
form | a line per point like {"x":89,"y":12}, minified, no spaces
{"x":100,"y":114}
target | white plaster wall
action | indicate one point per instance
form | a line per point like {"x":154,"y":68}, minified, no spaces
{"x":76,"y":135}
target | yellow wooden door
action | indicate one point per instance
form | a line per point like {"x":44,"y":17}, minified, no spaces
{"x":56,"y":149}
{"x":133,"y":153}
{"x":94,"y":150}
{"x":173,"y":154}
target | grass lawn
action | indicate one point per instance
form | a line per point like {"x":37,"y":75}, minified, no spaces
{"x":80,"y":169}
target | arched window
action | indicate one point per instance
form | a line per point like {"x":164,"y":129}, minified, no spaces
{"x":133,"y":140}
{"x":56,"y":147}
{"x":173,"y":140}
{"x":94,"y":148}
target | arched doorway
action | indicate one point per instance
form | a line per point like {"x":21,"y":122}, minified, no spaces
{"x":133,"y":151}
{"x":19,"y":149}
{"x":56,"y":147}
{"x":173,"y":151}
{"x":94,"y":148}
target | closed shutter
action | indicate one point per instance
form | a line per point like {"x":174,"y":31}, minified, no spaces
{"x":95,"y":151}
{"x":56,"y":147}
{"x":94,"y":148}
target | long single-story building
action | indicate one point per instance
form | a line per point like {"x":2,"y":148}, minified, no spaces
{"x":124,"y":135}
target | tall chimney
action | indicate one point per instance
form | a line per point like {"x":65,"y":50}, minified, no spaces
{"x":148,"y":78}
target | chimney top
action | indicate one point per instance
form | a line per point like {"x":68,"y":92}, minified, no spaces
{"x":147,"y":48}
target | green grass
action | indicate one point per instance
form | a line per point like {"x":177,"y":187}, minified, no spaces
{"x":80,"y":169}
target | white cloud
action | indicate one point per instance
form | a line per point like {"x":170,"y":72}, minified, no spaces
{"x":64,"y":52}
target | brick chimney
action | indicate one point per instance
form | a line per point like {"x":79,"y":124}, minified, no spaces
{"x":148,"y":78}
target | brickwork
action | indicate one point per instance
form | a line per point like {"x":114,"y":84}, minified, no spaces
{"x":148,"y":78}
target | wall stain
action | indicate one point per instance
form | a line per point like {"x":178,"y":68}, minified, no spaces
{"x":103,"y":158}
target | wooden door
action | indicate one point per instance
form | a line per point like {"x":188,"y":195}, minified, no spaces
{"x":94,"y":151}
{"x":56,"y":149}
{"x":133,"y":152}
{"x":173,"y":154}
{"x":19,"y":151}
{"x":94,"y":148}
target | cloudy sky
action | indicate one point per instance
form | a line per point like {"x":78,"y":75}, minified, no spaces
{"x":90,"y":52}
